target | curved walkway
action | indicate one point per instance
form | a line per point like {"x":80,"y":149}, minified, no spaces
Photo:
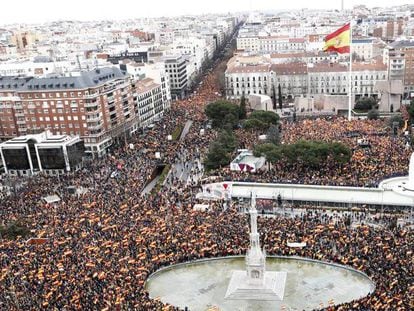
{"x":310,"y":193}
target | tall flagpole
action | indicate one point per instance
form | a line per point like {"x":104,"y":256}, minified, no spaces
{"x":350,"y":73}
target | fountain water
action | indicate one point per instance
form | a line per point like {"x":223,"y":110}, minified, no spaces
{"x":256,"y":283}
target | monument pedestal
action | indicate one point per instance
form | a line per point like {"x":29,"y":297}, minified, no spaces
{"x":256,"y":283}
{"x":272,"y":288}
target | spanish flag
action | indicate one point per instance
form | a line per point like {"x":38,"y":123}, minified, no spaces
{"x":339,"y":41}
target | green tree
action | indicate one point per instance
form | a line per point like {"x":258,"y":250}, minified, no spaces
{"x":373,"y":114}
{"x":398,"y":119}
{"x":254,"y":124}
{"x":218,"y":113}
{"x":243,"y":111}
{"x":230,"y":121}
{"x":274,"y":98}
{"x":217,"y":157}
{"x":267,"y":117}
{"x":411,"y":110}
{"x":227,"y":140}
{"x":312,"y":154}
{"x":270,"y":151}
{"x":261,"y":120}
{"x":273,"y":135}
{"x":221,"y":150}
{"x":365,"y":103}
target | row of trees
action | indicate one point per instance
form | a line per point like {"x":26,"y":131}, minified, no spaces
{"x":224,"y":114}
{"x":261,"y":120}
{"x":227,"y":116}
{"x":313,"y":154}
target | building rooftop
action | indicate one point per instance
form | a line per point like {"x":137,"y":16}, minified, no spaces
{"x":249,"y":69}
{"x":297,"y":68}
{"x":86,"y":79}
{"x":146,"y":85}
{"x":402,"y":44}
{"x":303,"y":54}
{"x":43,"y":138}
{"x":362,"y":40}
{"x":356,"y":66}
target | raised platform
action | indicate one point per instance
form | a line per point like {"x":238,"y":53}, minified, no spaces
{"x":383,"y":195}
{"x":273,"y":288}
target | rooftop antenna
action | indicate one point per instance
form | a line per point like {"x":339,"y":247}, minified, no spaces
{"x":342,"y":5}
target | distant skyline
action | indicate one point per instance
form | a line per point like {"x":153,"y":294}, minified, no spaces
{"x":37,"y":11}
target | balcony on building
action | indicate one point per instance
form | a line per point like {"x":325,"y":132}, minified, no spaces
{"x":93,"y":117}
{"x":95,"y":126}
{"x":91,"y":104}
{"x":91,"y":96}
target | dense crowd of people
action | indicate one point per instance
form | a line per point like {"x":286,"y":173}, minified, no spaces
{"x":99,"y":247}
{"x":376,"y":154}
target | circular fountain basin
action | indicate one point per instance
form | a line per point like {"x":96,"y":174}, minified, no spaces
{"x":310,"y":284}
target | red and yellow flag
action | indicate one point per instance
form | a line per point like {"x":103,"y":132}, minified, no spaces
{"x":339,"y":41}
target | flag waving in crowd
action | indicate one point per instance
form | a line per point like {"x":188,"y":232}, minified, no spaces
{"x":339,"y":41}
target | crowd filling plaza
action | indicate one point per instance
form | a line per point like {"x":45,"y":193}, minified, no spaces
{"x":102,"y":245}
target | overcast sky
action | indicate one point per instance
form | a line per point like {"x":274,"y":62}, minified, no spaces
{"x":33,"y":11}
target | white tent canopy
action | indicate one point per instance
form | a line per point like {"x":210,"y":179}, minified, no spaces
{"x":51,"y":199}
